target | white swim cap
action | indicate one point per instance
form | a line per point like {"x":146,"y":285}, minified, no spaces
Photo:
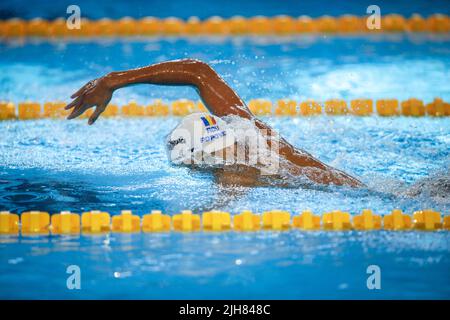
{"x":198,"y":132}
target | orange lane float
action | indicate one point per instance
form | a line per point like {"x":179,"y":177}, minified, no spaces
{"x":280,"y":25}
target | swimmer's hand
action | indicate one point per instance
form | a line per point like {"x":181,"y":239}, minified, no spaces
{"x":94,"y":93}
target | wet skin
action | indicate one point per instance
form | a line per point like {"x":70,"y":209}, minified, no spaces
{"x":218,"y":98}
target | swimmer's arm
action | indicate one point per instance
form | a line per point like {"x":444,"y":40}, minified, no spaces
{"x":217,"y":96}
{"x":232,"y":178}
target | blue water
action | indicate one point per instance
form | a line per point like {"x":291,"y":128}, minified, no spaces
{"x":289,"y":265}
{"x":318,"y":67}
{"x":205,"y":9}
{"x":118,"y":164}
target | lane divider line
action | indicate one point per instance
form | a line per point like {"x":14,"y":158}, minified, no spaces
{"x":28,"y":110}
{"x":39,"y":223}
{"x":237,"y":25}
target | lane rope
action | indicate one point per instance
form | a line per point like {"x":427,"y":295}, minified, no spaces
{"x":93,"y":222}
{"x":29,"y":110}
{"x":237,"y":25}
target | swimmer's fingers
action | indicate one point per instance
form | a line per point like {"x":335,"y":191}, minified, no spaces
{"x":78,"y":111}
{"x":80,"y":91}
{"x":74,"y":103}
{"x":97,"y":112}
{"x":84,"y":88}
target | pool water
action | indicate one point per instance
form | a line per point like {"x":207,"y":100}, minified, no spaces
{"x":55,"y":165}
{"x":225,"y":8}
{"x":287,"y":265}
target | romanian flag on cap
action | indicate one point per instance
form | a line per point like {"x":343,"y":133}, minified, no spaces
{"x":208,"y":121}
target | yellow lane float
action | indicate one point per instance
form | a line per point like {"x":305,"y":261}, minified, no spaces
{"x":361,"y":107}
{"x":126,"y":222}
{"x":156,"y":222}
{"x":306,"y":221}
{"x":186,"y":221}
{"x":157,"y":108}
{"x":35,"y":223}
{"x":216,"y":221}
{"x":183,"y":107}
{"x":397,"y":221}
{"x":247,"y":221}
{"x":9,"y":223}
{"x":276,"y":220}
{"x":55,"y":110}
{"x":387,"y":107}
{"x":438,"y":108}
{"x":260,"y":107}
{"x":7,"y":111}
{"x":336,"y":220}
{"x":133,"y":109}
{"x":95,"y":222}
{"x":413,"y":107}
{"x":446,"y":223}
{"x":427,"y":220}
{"x":286,"y":107}
{"x":310,"y":108}
{"x":336,"y":107}
{"x":367,"y":221}
{"x":65,"y":222}
{"x":29,"y":110}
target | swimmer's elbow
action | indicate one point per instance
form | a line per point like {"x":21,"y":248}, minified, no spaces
{"x":200,"y":67}
{"x":195,"y":62}
{"x":199,"y":71}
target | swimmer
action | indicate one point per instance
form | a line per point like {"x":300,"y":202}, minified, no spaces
{"x":223,"y":103}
